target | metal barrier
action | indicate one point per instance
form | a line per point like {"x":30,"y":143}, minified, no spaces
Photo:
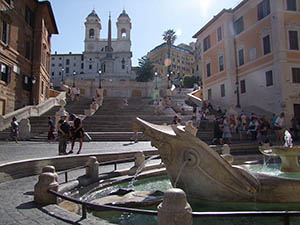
{"x":285,"y":214}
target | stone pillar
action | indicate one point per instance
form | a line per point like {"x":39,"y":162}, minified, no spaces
{"x":226,"y":153}
{"x":174,"y":210}
{"x":138,"y":163}
{"x":92,"y":170}
{"x":47,"y":181}
{"x":50,"y":169}
{"x":25,"y":129}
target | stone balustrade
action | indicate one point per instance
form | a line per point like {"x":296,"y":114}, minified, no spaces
{"x":29,"y":111}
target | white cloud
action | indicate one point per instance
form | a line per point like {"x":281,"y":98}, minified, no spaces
{"x":178,"y":32}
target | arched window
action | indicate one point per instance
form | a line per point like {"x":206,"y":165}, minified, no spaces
{"x":92,"y":33}
{"x":123,"y":34}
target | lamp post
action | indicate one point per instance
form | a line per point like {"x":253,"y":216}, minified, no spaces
{"x":74,"y":73}
{"x":99,"y":72}
{"x":168,"y":75}
{"x":237,"y":94}
{"x":156,"y":80}
{"x":62,"y":75}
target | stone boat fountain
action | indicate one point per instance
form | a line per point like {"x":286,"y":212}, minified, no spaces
{"x":204,"y":175}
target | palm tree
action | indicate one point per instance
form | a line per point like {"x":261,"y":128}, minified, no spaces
{"x":169,"y":37}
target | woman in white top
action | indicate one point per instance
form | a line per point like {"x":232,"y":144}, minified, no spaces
{"x":278,"y":127}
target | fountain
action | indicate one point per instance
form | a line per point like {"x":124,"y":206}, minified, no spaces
{"x":287,"y":153}
{"x":204,"y":175}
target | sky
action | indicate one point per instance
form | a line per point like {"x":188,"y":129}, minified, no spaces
{"x":149,"y":18}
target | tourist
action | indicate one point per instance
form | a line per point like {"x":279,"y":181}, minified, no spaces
{"x":263,"y":130}
{"x":51,"y":129}
{"x":239,"y":128}
{"x":278,"y":128}
{"x":77,"y":132}
{"x":244,"y":121}
{"x":252,"y":127}
{"x":160,"y":106}
{"x":273,"y":120}
{"x":232,"y":124}
{"x":175,"y":120}
{"x":14,"y":129}
{"x":226,"y":130}
{"x":217,"y":132}
{"x":63,"y":130}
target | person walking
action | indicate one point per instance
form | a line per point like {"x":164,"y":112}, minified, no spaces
{"x":77,"y":132}
{"x":14,"y":129}
{"x":63,"y":129}
{"x":226,"y":130}
{"x":252,"y":128}
{"x":51,"y":129}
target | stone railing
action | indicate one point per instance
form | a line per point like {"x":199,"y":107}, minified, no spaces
{"x":29,"y":111}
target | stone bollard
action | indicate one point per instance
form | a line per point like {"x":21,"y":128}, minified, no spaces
{"x":92,"y":170}
{"x":50,"y":169}
{"x":138,"y":163}
{"x":174,"y":210}
{"x":46,"y":182}
{"x":25,"y":129}
{"x":226,"y":153}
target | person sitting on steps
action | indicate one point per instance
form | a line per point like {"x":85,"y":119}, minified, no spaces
{"x":77,"y":132}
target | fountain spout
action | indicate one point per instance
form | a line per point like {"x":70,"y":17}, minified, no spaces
{"x":288,"y":140}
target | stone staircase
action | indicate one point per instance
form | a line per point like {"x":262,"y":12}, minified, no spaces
{"x":39,"y":125}
{"x":113,"y":121}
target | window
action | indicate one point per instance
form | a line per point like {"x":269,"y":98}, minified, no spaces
{"x":252,"y":53}
{"x":67,"y":70}
{"x":82,"y":58}
{"x":53,"y":65}
{"x":208,"y":69}
{"x":206,"y":43}
{"x":293,"y":40}
{"x":263,"y":9}
{"x":42,"y":88}
{"x":266,"y":44}
{"x":52,"y":73}
{"x":82,"y":65}
{"x":221,"y":63}
{"x":67,"y":61}
{"x":209,"y":94}
{"x":222,"y":90}
{"x":5,"y":73}
{"x":5,"y":32}
{"x":269,"y":78}
{"x":291,"y":5}
{"x":123,"y":64}
{"x":91,"y":33}
{"x":238,"y":25}
{"x":90,"y":67}
{"x":219,"y":32}
{"x":241,"y":57}
{"x":243,"y":86}
{"x":27,"y":50}
{"x":29,"y":16}
{"x":296,"y":75}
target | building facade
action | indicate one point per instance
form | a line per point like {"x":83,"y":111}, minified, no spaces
{"x":25,"y":47}
{"x":102,"y":58}
{"x":251,"y":56}
{"x":182,"y":60}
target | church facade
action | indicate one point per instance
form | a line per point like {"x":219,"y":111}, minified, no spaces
{"x":103,"y":59}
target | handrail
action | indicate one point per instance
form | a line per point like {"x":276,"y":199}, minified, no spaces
{"x":84,"y":204}
{"x":101,"y":207}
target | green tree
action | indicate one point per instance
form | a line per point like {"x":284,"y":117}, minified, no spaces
{"x":145,"y":70}
{"x":188,"y":81}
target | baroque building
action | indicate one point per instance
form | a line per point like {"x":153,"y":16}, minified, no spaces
{"x":106,"y":57}
{"x":251,"y":57}
{"x":25,"y":47}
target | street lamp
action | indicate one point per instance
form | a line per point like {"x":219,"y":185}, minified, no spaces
{"x":74,"y":73}
{"x":237,"y":94}
{"x":156,"y":80}
{"x":99,"y":72}
{"x":168,"y":81}
{"x":62,"y":75}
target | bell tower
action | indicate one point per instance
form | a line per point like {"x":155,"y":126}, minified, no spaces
{"x":92,"y":31}
{"x":124,"y":26}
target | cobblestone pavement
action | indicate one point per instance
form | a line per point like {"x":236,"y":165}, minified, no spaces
{"x":17,"y":205}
